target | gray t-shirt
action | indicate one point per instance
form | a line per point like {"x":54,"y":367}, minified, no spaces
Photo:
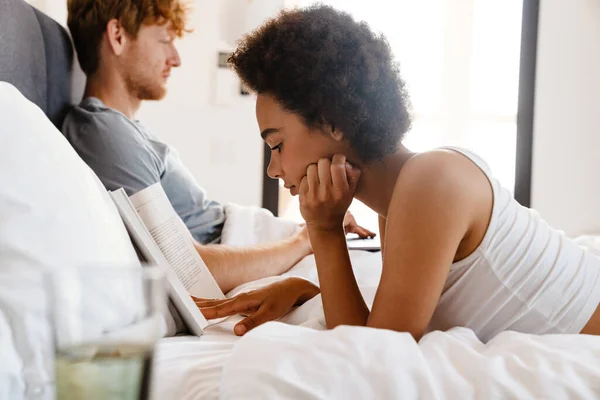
{"x":124,"y":154}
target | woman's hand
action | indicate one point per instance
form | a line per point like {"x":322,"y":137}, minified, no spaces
{"x":261,"y":305}
{"x":326,"y":192}
{"x":351,"y":226}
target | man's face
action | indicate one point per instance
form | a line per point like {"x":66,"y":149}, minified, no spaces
{"x":147,"y":61}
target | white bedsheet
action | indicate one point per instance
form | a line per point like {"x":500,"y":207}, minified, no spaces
{"x":279,"y":360}
{"x":188,"y":367}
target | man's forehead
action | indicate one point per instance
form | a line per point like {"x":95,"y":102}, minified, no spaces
{"x":169,"y":27}
{"x":160,"y":25}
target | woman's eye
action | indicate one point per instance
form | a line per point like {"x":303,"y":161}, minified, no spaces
{"x":278,"y":148}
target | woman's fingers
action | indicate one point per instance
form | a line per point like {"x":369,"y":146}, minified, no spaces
{"x":220,"y":310}
{"x":262,"y":315}
{"x":353,"y":175}
{"x":338,"y":172}
{"x":324,"y":171}
{"x":312,"y":178}
{"x":362,"y":233}
{"x":236,"y":305}
{"x":303,"y":190}
{"x":200,"y":302}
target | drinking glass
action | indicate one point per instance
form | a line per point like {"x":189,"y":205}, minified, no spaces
{"x":106,"y":322}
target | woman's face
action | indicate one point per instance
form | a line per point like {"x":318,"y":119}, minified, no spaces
{"x":293,"y":145}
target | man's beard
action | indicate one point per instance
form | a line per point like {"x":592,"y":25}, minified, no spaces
{"x":145,"y":88}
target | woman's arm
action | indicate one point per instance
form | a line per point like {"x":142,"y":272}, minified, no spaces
{"x":436,"y":200}
{"x":343,"y":303}
{"x":325,"y":194}
{"x":382,"y":234}
{"x":430,"y":213}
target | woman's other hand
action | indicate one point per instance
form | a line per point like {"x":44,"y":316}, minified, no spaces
{"x":351,"y":226}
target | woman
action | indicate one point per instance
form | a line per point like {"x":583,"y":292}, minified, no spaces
{"x":457,"y":249}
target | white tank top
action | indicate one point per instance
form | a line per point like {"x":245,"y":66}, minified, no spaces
{"x":525,"y":276}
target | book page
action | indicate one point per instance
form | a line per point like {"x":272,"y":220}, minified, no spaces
{"x":175,"y":242}
{"x":149,"y":252}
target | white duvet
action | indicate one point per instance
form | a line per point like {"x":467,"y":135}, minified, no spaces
{"x":278,"y":361}
{"x":298,"y":360}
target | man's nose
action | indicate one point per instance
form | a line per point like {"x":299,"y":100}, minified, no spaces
{"x":175,"y":60}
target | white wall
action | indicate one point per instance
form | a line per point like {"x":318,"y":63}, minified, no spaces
{"x":566,"y":156}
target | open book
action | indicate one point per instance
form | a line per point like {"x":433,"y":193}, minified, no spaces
{"x":163,"y":239}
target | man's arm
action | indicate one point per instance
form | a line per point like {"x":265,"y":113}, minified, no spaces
{"x":233,"y":266}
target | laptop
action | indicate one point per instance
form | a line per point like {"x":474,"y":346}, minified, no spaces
{"x":356,"y":243}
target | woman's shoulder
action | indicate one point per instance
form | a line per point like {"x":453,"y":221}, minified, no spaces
{"x":450,"y":176}
{"x":448,"y":193}
{"x":441,"y":166}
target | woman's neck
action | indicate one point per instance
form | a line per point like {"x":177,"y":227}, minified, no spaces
{"x":378,"y":180}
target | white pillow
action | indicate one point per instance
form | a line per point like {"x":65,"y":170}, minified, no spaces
{"x":54,"y":213}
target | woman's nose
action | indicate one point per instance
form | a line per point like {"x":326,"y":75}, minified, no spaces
{"x":274,"y":170}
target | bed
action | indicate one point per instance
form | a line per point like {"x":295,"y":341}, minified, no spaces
{"x":297,"y":359}
{"x":292,"y":358}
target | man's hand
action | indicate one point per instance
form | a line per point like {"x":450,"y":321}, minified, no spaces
{"x":261,"y":305}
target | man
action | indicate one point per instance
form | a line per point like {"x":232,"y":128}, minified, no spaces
{"x":126,"y":49}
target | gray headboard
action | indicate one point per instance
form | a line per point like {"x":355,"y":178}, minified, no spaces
{"x":36,"y":57}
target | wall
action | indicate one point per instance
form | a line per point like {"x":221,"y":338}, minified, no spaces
{"x":566,"y":156}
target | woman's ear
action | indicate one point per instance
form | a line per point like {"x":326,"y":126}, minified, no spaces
{"x":335,"y":133}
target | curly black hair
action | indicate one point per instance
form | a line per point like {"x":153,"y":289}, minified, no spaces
{"x":321,"y":64}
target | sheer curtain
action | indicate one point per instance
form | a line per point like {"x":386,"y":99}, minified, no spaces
{"x":460,"y":60}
